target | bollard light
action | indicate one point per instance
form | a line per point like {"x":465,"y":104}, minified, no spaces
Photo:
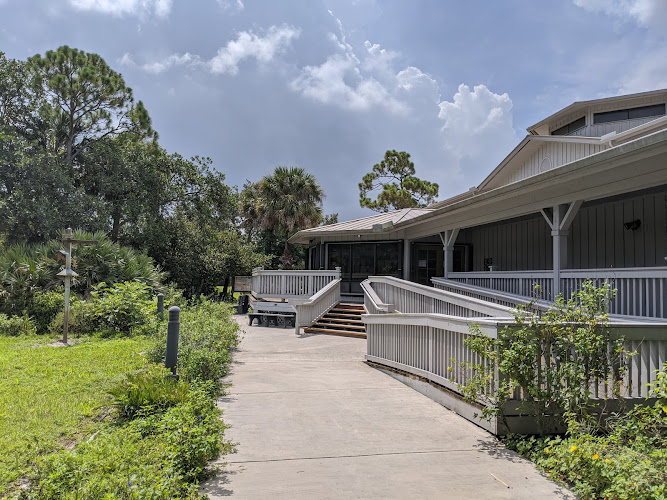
{"x":160,"y":305}
{"x":173,"y":327}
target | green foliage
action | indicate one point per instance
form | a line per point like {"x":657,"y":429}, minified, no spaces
{"x":48,"y":395}
{"x":659,"y":387}
{"x":120,"y":309}
{"x":122,"y":306}
{"x":29,"y":281}
{"x":85,"y":100}
{"x":395,"y":177}
{"x":288,"y":200}
{"x":627,"y":463}
{"x":148,"y":391}
{"x":46,"y":306}
{"x":161,"y":455}
{"x":552,"y":359}
{"x":207,"y":334}
{"x":13,"y":326}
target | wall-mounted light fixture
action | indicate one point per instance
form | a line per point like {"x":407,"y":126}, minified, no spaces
{"x":633,"y":225}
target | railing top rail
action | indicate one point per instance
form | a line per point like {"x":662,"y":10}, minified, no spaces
{"x":503,"y":274}
{"x":318,"y":296}
{"x":613,"y":272}
{"x":296,"y":272}
{"x":627,"y":272}
{"x":452,"y":297}
{"x":490,"y":326}
{"x":373,"y":297}
{"x":487,"y":326}
{"x":542,"y":305}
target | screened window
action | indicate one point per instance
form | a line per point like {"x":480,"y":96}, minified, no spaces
{"x":358,"y":261}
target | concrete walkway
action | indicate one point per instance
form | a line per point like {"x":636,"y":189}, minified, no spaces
{"x":313,"y":421}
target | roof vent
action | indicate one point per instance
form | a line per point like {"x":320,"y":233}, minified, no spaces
{"x":382,"y":227}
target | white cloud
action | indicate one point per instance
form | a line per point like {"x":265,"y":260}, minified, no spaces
{"x":231,"y":4}
{"x":248,"y":45}
{"x":349,"y":81}
{"x":477,"y":129}
{"x":650,"y":13}
{"x":327,"y":84}
{"x":160,"y":8}
{"x":171,"y":61}
{"x":647,"y":70}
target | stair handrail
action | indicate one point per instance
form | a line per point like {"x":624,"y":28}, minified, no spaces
{"x":310,"y":310}
{"x":373,"y":300}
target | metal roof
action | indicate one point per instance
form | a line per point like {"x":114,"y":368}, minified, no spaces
{"x":379,"y":222}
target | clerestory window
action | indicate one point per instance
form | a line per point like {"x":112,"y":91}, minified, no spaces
{"x":629,"y":114}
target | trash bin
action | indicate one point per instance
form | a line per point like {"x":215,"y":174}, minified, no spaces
{"x":242,"y":305}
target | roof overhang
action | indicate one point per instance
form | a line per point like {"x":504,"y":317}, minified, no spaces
{"x":607,"y":101}
{"x":632,"y":166}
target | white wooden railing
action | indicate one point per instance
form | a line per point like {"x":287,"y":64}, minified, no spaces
{"x":517,"y":282}
{"x":408,"y":297}
{"x":639,"y":291}
{"x":290,"y":284}
{"x":432,"y":346}
{"x":310,"y":310}
{"x":372,"y":303}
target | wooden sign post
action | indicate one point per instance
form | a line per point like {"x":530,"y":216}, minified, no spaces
{"x":68,"y":241}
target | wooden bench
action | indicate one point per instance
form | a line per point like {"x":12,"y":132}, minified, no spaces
{"x":271,"y":319}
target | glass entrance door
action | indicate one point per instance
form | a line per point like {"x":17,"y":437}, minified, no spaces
{"x":428,"y":263}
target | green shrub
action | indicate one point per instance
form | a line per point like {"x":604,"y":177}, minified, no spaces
{"x":122,"y":306}
{"x":46,"y":306}
{"x":81,"y":320}
{"x":628,"y":461}
{"x":148,"y":391}
{"x":207,"y":334}
{"x":120,"y":309}
{"x":13,"y":326}
{"x":570,"y":345}
{"x":162,"y":455}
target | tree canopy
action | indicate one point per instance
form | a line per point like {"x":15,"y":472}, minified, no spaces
{"x":399,"y":188}
{"x":85,"y":100}
{"x":280,"y":204}
{"x":75,"y":150}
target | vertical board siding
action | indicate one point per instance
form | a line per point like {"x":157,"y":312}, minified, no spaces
{"x":558,"y":154}
{"x":597,"y":238}
{"x":518,"y":245}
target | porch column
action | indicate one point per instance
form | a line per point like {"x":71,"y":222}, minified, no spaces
{"x":448,"y":238}
{"x":559,"y":221}
{"x":406,"y":259}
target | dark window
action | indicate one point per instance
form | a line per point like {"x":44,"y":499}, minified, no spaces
{"x":627,"y":114}
{"x":646,"y":111}
{"x":358,"y":261}
{"x":570,"y":127}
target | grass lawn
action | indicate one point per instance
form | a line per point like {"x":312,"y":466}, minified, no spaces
{"x":50,"y":395}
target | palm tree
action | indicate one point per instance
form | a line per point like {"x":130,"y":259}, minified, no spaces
{"x":287,"y":201}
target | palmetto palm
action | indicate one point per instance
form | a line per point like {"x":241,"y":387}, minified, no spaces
{"x":289,"y":200}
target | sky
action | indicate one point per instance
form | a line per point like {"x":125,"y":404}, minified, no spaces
{"x":330,"y":85}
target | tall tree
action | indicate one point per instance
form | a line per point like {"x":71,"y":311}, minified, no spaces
{"x":288,"y":200}
{"x":395,"y":177}
{"x":85,"y":100}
